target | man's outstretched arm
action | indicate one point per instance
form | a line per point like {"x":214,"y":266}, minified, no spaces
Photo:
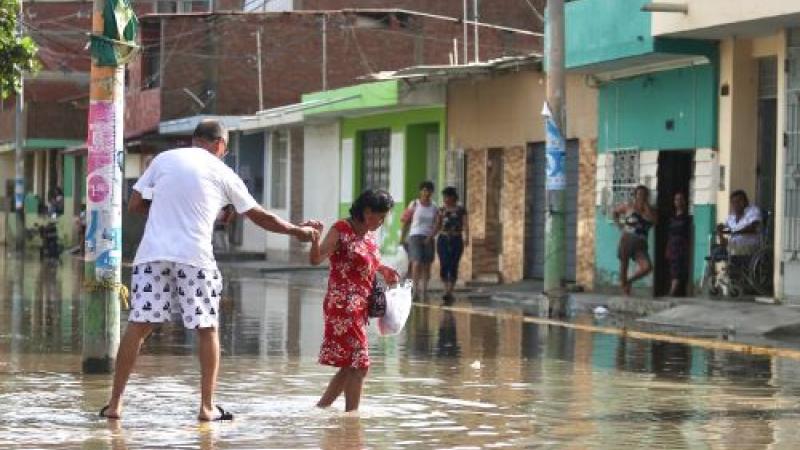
{"x":275,"y":224}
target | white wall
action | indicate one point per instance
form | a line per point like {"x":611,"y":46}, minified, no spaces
{"x":277,"y":244}
{"x":322,"y":163}
{"x":711,"y":18}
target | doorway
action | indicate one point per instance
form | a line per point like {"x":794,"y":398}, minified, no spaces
{"x":536,"y":210}
{"x":675,"y":169}
{"x":767,"y":137}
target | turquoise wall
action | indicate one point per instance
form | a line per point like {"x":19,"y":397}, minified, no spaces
{"x":601,"y":31}
{"x":633,"y":112}
{"x":605,"y":30}
{"x":704,"y":223}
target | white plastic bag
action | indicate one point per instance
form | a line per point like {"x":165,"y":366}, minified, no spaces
{"x":398,"y":306}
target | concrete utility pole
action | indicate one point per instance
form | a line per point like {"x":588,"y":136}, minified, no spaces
{"x":102,"y":289}
{"x":555,"y":124}
{"x":19,"y":155}
{"x":260,"y":81}
{"x":476,"y":40}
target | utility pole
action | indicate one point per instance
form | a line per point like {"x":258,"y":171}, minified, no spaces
{"x":260,"y":81}
{"x":555,"y":124}
{"x":476,"y":39}
{"x":19,"y":155}
{"x":324,"y":52}
{"x":466,"y":33}
{"x":111,"y":47}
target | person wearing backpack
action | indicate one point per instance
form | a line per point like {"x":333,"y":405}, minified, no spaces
{"x":419,"y":223}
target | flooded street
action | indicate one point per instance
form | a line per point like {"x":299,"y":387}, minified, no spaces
{"x":450,"y":380}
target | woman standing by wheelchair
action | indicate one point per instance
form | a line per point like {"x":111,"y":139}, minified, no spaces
{"x":637,"y":219}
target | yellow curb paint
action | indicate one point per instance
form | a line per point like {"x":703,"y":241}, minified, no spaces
{"x":633,"y":334}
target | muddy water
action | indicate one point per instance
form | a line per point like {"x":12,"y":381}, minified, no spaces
{"x":451,"y":380}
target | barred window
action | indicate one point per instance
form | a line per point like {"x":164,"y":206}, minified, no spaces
{"x":625,"y":175}
{"x":375,"y":159}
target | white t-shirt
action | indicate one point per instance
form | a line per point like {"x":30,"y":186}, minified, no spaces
{"x":424,"y":219}
{"x":188,"y":188}
{"x":744,"y":243}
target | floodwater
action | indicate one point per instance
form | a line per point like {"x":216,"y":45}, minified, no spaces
{"x":452,"y":380}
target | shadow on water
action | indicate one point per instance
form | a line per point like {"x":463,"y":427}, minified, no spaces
{"x":451,"y":379}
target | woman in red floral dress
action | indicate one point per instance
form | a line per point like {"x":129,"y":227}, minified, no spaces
{"x":355,"y":260}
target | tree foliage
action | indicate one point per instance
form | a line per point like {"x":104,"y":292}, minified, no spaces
{"x":17,"y":54}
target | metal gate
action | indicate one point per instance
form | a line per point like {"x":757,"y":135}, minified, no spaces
{"x":535,"y":211}
{"x":791,"y":219}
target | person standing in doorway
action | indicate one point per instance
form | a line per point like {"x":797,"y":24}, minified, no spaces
{"x":637,"y":219}
{"x":352,"y":248}
{"x":452,"y":227}
{"x":419,"y":221}
{"x":174,"y":270}
{"x":679,"y":232}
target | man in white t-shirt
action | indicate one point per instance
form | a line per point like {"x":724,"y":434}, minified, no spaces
{"x":744,"y":224}
{"x":182,"y":192}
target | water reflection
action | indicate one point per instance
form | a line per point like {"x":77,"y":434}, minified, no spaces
{"x":452,"y":379}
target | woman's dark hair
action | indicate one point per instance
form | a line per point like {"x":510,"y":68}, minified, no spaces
{"x":742,"y":194}
{"x":426,"y":185}
{"x":450,"y":191}
{"x":376,"y":200}
{"x":642,"y":188}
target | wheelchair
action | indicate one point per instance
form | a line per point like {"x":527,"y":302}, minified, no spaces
{"x":730,"y":275}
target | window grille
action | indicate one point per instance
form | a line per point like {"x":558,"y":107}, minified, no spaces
{"x":375,"y":159}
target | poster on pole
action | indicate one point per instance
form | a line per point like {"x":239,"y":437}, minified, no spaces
{"x":103,"y":233}
{"x":555,"y":147}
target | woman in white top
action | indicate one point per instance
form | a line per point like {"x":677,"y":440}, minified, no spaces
{"x":419,"y":221}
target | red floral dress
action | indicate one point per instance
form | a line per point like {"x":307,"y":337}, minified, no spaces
{"x":353,"y":267}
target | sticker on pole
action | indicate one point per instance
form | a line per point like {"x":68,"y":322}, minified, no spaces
{"x":555,"y":153}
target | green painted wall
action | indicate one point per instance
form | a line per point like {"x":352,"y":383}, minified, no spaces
{"x":366,"y":95}
{"x":414,"y":125}
{"x":634,"y":112}
{"x":416,"y":157}
{"x":605,"y":30}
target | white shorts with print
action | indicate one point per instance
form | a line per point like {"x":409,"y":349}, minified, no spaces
{"x":160,"y":289}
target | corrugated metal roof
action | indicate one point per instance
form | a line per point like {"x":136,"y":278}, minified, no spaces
{"x":459,"y":71}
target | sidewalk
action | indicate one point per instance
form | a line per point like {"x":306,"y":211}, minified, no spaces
{"x":743,"y":321}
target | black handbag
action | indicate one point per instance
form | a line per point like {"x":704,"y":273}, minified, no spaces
{"x":376,"y":302}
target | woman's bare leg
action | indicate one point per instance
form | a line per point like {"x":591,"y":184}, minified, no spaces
{"x":353,"y":388}
{"x":335,"y":388}
{"x":623,"y":275}
{"x":644,"y":268}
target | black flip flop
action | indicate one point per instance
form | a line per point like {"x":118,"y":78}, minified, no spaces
{"x":102,"y":413}
{"x":223,"y":415}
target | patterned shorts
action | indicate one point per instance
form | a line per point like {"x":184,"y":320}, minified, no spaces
{"x":160,"y":289}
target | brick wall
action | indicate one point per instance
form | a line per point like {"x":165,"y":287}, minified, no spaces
{"x":513,"y":214}
{"x":214,"y":56}
{"x":512,"y":13}
{"x":142,"y":112}
{"x":476,"y":207}
{"x":587,"y":172}
{"x":59,"y":29}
